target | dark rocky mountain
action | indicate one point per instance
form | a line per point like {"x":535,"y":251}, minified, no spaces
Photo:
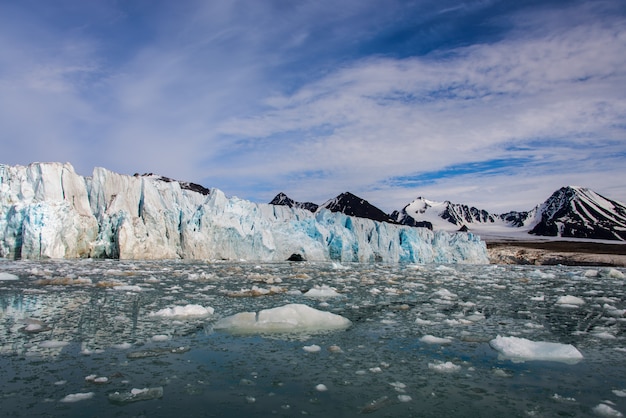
{"x":185,"y":185}
{"x":578,"y":212}
{"x":353,"y":205}
{"x":403,"y":218}
{"x":282,"y":199}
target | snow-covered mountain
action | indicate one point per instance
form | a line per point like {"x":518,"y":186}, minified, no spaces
{"x":47,"y":210}
{"x":450,"y":216}
{"x":281,"y":199}
{"x":578,"y":212}
{"x":572,"y":212}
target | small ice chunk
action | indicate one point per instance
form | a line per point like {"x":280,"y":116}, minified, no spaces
{"x":619,"y":393}
{"x":431,"y":339}
{"x":404,"y":398}
{"x":136,"y":395}
{"x":33,"y":327}
{"x":160,"y":337}
{"x":398,"y":386}
{"x":75,"y":397}
{"x":53,"y":344}
{"x":122,"y":346}
{"x":127,"y":288}
{"x":604,"y":335}
{"x":591,"y":273}
{"x":447,"y":367}
{"x":444,"y":295}
{"x":605,"y":410}
{"x":323,"y":291}
{"x":560,"y":398}
{"x":187,"y":311}
{"x":8,"y":276}
{"x":570,"y":300}
{"x":321,"y":388}
{"x":615,"y":274}
{"x":288,"y":318}
{"x":521,"y":349}
{"x":312,"y":348}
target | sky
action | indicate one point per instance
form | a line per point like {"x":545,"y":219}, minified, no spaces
{"x":491,"y":103}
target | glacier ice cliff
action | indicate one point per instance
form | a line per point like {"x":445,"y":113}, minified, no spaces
{"x":47,"y":210}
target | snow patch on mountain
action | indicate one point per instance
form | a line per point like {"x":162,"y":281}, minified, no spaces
{"x":571,"y":212}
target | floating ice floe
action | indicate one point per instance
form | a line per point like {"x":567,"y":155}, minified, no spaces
{"x":75,"y":397}
{"x":605,"y":410}
{"x":135,"y":395}
{"x":570,"y":301}
{"x":127,"y":288}
{"x":288,"y":318}
{"x":312,"y":348}
{"x":615,"y":274}
{"x":53,"y":344}
{"x":8,"y":276}
{"x":323,"y":291}
{"x":520,"y":350}
{"x":187,"y":311}
{"x":431,"y":339}
{"x":444,"y":367}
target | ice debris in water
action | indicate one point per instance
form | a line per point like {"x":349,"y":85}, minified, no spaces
{"x":186,"y":311}
{"x":570,"y":301}
{"x":321,"y":388}
{"x":605,"y":410}
{"x":135,"y":395}
{"x":8,"y":276}
{"x":615,"y":274}
{"x":431,"y":339}
{"x":620,"y":393}
{"x":521,"y":349}
{"x":53,"y":344}
{"x":289,"y":318}
{"x":447,"y":367}
{"x":312,"y":348}
{"x":75,"y":397}
{"x":323,"y":291}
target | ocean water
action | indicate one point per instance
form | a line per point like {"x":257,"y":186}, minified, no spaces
{"x":100,"y":338}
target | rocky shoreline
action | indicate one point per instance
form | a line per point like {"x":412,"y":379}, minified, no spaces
{"x":571,"y":253}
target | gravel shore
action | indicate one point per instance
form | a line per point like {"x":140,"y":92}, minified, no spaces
{"x":544,"y":252}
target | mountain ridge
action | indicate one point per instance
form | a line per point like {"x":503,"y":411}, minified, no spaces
{"x":570,"y":212}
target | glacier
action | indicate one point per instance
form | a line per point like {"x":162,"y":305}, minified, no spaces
{"x":47,"y":210}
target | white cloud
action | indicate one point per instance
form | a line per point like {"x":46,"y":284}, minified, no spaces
{"x":557,"y":93}
{"x":261,"y":97}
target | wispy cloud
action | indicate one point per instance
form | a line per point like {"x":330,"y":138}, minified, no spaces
{"x":388,"y":99}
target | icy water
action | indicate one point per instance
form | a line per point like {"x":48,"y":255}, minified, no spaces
{"x":92,"y":339}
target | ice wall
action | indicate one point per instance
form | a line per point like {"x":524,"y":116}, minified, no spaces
{"x":49,"y":211}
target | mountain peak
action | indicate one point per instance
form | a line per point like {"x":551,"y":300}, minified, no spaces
{"x":579,"y":212}
{"x":281,"y":199}
{"x":352,"y":205}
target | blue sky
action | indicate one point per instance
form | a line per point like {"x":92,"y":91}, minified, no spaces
{"x":491,"y":103}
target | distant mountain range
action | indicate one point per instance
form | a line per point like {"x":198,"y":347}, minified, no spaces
{"x":570,"y":212}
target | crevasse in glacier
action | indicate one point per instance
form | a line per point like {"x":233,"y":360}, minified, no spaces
{"x":47,"y":210}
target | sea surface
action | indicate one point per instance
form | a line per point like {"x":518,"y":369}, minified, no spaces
{"x":100,"y":338}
